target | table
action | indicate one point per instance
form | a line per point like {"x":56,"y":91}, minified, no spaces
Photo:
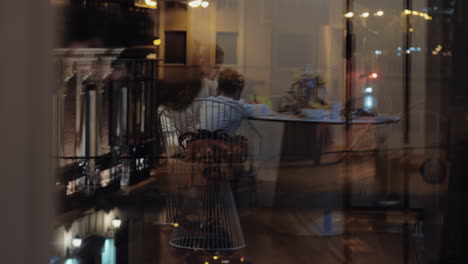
{"x":331,"y":222}
{"x":290,"y":117}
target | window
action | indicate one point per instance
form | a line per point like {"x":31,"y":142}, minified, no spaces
{"x":176,"y":47}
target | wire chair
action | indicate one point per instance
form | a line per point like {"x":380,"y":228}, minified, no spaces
{"x":210,"y":145}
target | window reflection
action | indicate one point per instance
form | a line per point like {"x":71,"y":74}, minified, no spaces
{"x":342,"y":146}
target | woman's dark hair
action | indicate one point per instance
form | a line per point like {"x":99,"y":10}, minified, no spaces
{"x":230,"y":82}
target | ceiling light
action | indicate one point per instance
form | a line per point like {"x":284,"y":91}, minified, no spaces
{"x":195,"y":3}
{"x":151,"y":3}
{"x":205,"y":4}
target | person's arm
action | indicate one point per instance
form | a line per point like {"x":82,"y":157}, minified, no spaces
{"x":256,"y":109}
{"x":248,"y":108}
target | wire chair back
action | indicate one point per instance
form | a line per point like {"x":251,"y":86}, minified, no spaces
{"x":209,"y":144}
{"x":210,"y":131}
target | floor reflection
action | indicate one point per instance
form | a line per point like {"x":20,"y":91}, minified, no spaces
{"x":306,"y":222}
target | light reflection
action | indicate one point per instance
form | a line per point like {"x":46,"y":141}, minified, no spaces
{"x":417,"y":13}
{"x":151,"y":3}
{"x":157,"y":42}
{"x":379,"y":13}
{"x":76,"y":242}
{"x":365,"y":14}
{"x":195,"y":3}
{"x":116,"y":222}
{"x":71,"y":261}
{"x":349,"y":14}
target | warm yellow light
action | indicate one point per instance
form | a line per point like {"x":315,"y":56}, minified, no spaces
{"x":365,"y":14}
{"x":415,"y":13}
{"x":151,"y":3}
{"x":408,"y":12}
{"x":195,"y":3}
{"x":242,"y":259}
{"x":411,"y":30}
{"x":206,"y":262}
{"x":349,"y":14}
{"x":157,"y":42}
{"x":205,"y":4}
{"x":215,"y":257}
{"x":176,"y":224}
{"x":379,"y":13}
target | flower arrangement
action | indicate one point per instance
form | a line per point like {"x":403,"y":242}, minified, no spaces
{"x":307,"y":73}
{"x":308,"y":90}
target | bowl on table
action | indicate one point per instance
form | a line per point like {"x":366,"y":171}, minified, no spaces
{"x":315,"y":113}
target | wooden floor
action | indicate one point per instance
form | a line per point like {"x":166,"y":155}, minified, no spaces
{"x":307,"y":221}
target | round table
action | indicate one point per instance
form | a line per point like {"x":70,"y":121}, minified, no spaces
{"x":290,"y":117}
{"x":324,"y":225}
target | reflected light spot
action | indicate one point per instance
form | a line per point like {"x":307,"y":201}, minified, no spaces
{"x":157,"y":42}
{"x":76,"y":241}
{"x":195,"y":3}
{"x":365,"y":14}
{"x":215,"y":257}
{"x":369,"y":102}
{"x":415,"y":13}
{"x":407,"y":12}
{"x":379,"y":13}
{"x":411,"y":30}
{"x":151,"y":3}
{"x":116,"y":222}
{"x":349,"y":14}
